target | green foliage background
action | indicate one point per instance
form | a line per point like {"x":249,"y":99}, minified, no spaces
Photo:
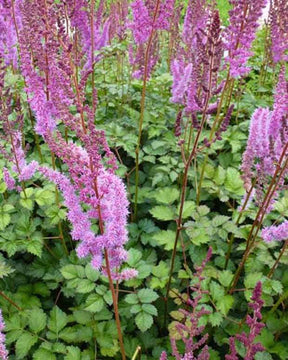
{"x":60,"y":308}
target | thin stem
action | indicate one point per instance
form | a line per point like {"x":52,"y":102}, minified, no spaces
{"x":185,"y":180}
{"x":10,"y":301}
{"x":115,"y":305}
{"x":271,"y":272}
{"x":142,"y":106}
{"x":137,"y":352}
{"x":260,"y":214}
{"x":237,"y":222}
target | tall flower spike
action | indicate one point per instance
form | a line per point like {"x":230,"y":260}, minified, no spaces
{"x":255,"y":326}
{"x":3,"y":350}
{"x":278,"y":17}
{"x":268,"y":137}
{"x":148,"y":18}
{"x":8,"y":34}
{"x":243,"y":23}
{"x":91,"y":180}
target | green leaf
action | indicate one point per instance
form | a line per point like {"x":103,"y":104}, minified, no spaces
{"x":44,"y":197}
{"x":135,"y":309}
{"x":143,"y":321}
{"x":94,"y":303}
{"x":233,"y":182}
{"x":91,"y":273}
{"x":55,"y":214}
{"x":58,"y":320}
{"x":225,"y":277}
{"x":72,"y":271}
{"x":27,"y":203}
{"x":167,"y":195}
{"x":42,"y":354}
{"x":219,"y":220}
{"x":35,"y":244}
{"x":188,"y":208}
{"x":132,"y":299}
{"x":27,"y":193}
{"x":147,"y":295}
{"x":134,"y":256}
{"x":165,"y":238}
{"x":219,"y":176}
{"x":225,"y":303}
{"x":77,"y":333}
{"x":24,"y":344}
{"x":37,"y":320}
{"x":162,"y":212}
{"x":85,"y":286}
{"x":251,"y":279}
{"x":150,"y":309}
{"x":74,"y":353}
{"x":216,"y":290}
{"x":215,"y":319}
{"x":4,"y":220}
{"x":3,"y":187}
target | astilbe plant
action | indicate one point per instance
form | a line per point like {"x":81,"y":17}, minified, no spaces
{"x":243,"y":23}
{"x":148,"y":19}
{"x":3,"y":350}
{"x":278,"y":19}
{"x":265,"y":156}
{"x":53,"y":86}
{"x":8,"y":34}
{"x":50,"y":95}
{"x":255,"y":326}
{"x":189,"y":330}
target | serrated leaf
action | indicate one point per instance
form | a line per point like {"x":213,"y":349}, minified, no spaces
{"x":91,"y":273}
{"x":134,"y":256}
{"x":132,"y":299}
{"x":42,"y":354}
{"x":135,"y":309}
{"x":44,"y":197}
{"x":165,"y":238}
{"x":161,"y":212}
{"x":216,"y":290}
{"x":72,"y":271}
{"x":74,"y":353}
{"x":219,"y":220}
{"x":215,"y":319}
{"x":225,"y":277}
{"x":3,"y":187}
{"x":143,"y":321}
{"x":224,"y":304}
{"x":5,"y":218}
{"x":77,"y":333}
{"x":147,"y":295}
{"x":219,"y":176}
{"x":188,"y":208}
{"x":94,"y":303}
{"x":167,"y":195}
{"x":233,"y":182}
{"x":24,"y":344}
{"x":251,"y":279}
{"x":150,"y":309}
{"x":27,"y":203}
{"x":85,"y":286}
{"x":37,"y":320}
{"x":58,"y":320}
